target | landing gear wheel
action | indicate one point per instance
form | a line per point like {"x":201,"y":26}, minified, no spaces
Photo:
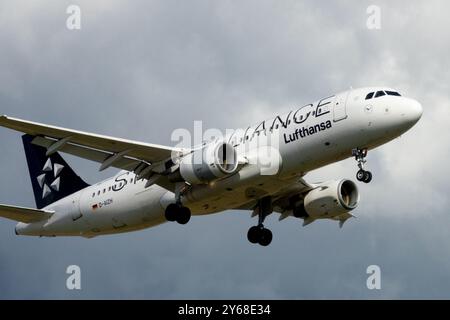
{"x":364,"y":176}
{"x":259,"y":234}
{"x":360,"y":157}
{"x":178,"y":213}
{"x":265,"y":237}
{"x":367,"y":176}
{"x":360,"y":175}
{"x":171,"y":212}
{"x":183,"y":215}
{"x":253,"y":234}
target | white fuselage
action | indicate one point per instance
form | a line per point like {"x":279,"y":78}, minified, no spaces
{"x":307,"y":138}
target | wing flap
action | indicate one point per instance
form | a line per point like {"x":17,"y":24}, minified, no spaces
{"x":22,"y":214}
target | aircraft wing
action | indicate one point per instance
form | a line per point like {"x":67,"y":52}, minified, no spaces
{"x":281,"y":199}
{"x":284,"y":200}
{"x":124,"y":154}
{"x":21,"y":214}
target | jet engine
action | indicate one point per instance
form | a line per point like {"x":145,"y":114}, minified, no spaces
{"x":331,"y":199}
{"x":211,"y":162}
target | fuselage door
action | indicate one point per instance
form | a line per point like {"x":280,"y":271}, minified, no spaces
{"x":340,"y":107}
{"x":75,"y":207}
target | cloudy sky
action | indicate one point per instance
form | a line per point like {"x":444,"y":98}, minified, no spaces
{"x":141,"y":69}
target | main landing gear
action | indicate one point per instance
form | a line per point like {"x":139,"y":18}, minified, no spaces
{"x":360,"y":156}
{"x":260,"y":234}
{"x":176,"y":211}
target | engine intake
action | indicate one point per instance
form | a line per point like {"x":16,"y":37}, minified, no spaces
{"x":332,"y":199}
{"x":213,"y":161}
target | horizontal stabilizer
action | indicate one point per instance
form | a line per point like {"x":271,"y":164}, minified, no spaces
{"x":21,"y":214}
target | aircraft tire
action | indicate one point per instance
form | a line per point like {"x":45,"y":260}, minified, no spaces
{"x":367,"y":176}
{"x":183,"y":215}
{"x":253,"y":234}
{"x":265,"y":237}
{"x":171,"y":212}
{"x":360,"y":175}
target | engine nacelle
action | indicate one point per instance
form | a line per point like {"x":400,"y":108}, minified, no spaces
{"x":213,"y":161}
{"x":331,"y":199}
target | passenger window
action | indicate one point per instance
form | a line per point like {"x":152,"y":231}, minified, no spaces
{"x":369,"y":96}
{"x":93,"y":195}
{"x":104,"y":190}
{"x":393,"y":93}
{"x":98,"y":193}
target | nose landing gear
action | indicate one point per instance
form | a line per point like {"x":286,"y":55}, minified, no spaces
{"x":360,"y":156}
{"x":260,"y":234}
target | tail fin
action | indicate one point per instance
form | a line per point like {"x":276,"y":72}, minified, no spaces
{"x":51,"y":177}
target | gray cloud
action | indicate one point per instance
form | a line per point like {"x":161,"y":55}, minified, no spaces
{"x":139,"y":70}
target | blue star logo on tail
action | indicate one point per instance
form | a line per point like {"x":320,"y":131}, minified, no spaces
{"x":50,"y":172}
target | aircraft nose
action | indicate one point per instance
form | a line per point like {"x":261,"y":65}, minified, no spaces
{"x":415,"y":111}
{"x":411,"y":112}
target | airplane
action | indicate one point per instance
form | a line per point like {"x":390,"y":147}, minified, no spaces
{"x":158,"y":184}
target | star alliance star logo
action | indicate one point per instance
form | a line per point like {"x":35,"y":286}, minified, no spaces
{"x":54,"y":171}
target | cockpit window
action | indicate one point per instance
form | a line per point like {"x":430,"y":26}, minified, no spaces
{"x":393,"y":93}
{"x":380,"y":94}
{"x":369,"y":95}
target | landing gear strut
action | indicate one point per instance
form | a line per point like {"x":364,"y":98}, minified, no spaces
{"x":176,"y":211}
{"x":360,"y":156}
{"x":260,"y":234}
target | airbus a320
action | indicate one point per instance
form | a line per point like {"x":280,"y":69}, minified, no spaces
{"x":158,"y":184}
